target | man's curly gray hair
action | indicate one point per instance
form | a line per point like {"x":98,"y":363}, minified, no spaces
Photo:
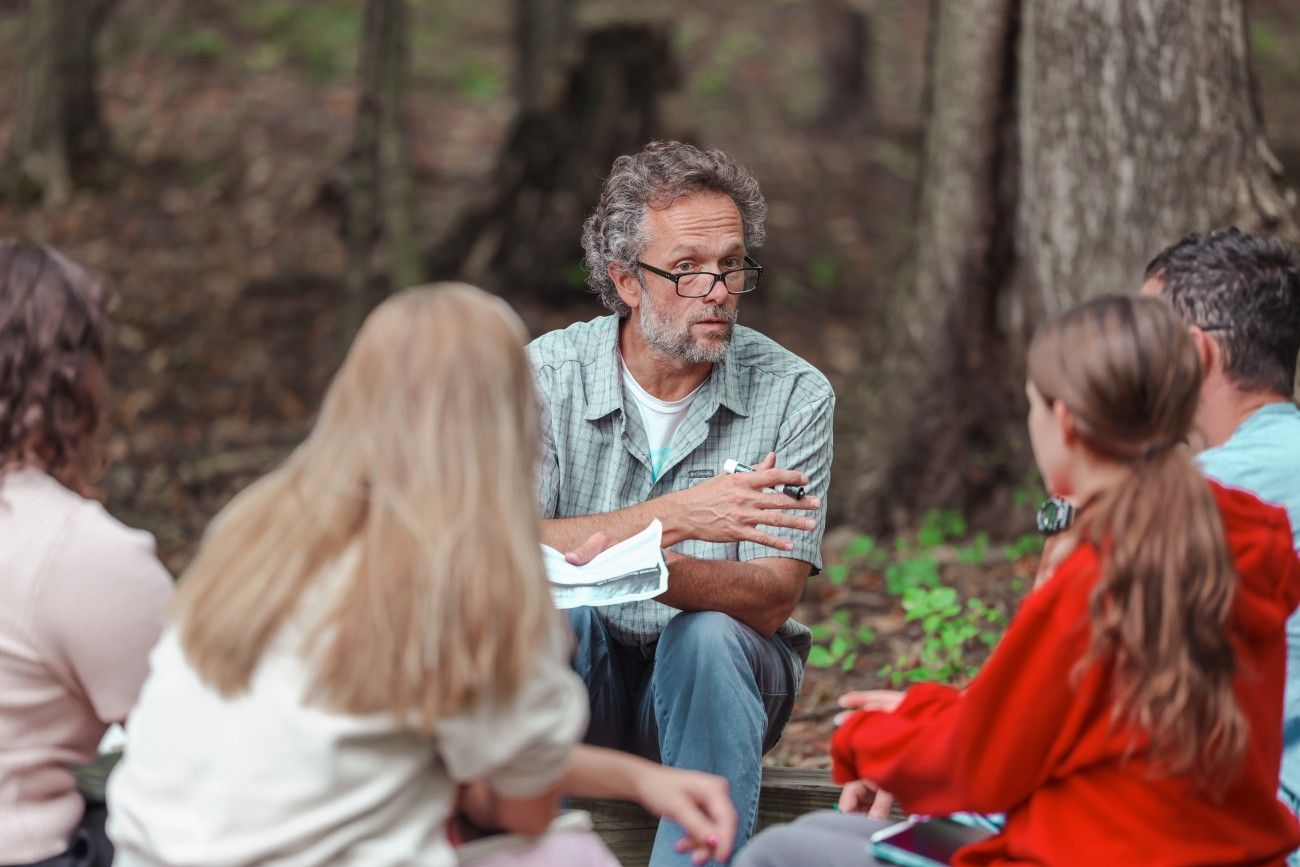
{"x":659,"y":175}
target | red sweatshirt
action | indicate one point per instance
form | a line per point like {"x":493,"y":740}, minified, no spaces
{"x":1027,"y":739}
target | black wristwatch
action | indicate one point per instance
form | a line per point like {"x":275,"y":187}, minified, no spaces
{"x":1054,"y":515}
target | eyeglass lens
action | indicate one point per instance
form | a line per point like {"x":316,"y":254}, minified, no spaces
{"x":697,"y":285}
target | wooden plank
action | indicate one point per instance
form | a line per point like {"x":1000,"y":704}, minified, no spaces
{"x":787,"y":793}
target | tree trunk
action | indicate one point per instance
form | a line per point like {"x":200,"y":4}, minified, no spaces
{"x":59,"y":139}
{"x":545,"y":47}
{"x":1068,"y":141}
{"x":521,"y":232}
{"x":845,"y":44}
{"x":380,"y":190}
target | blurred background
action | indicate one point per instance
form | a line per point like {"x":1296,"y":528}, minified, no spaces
{"x":253,"y":175}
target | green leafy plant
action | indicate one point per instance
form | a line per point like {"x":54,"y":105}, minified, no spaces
{"x":950,"y":632}
{"x":837,"y":642}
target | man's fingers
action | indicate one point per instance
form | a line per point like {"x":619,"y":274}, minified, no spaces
{"x":781,"y":501}
{"x":767,"y":463}
{"x":771,"y":478}
{"x":780,"y":519}
{"x":767,"y":540}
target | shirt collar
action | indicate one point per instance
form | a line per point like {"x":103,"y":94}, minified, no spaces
{"x":606,"y":395}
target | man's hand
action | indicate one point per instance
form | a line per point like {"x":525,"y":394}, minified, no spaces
{"x":700,"y":803}
{"x":731,"y":507}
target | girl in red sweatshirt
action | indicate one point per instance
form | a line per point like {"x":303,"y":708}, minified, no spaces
{"x":1132,"y":713}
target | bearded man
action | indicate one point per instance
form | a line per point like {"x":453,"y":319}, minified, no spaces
{"x":643,"y":408}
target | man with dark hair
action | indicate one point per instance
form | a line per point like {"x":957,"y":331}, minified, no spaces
{"x":1240,"y":296}
{"x":643,"y":410}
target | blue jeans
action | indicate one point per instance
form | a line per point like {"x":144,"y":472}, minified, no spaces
{"x":714,"y":696}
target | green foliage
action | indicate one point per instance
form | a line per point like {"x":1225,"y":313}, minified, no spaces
{"x":902,"y":575}
{"x":948,"y":632}
{"x":836,"y":642}
{"x":1029,"y":543}
{"x":825,"y":273}
{"x":322,"y":37}
{"x":480,"y":81}
{"x":954,"y":633}
{"x":198,"y":44}
{"x":977,"y":551}
{"x":725,"y":56}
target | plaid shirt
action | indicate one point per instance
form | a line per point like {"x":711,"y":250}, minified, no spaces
{"x":760,"y":398}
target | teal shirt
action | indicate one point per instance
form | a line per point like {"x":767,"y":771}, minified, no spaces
{"x":1263,"y":456}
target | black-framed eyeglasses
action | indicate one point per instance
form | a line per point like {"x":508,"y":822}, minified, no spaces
{"x":1215,"y":327}
{"x":697,"y":284}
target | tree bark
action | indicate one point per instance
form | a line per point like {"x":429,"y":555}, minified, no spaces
{"x":845,"y":45}
{"x":941,"y":346}
{"x":1068,"y":141}
{"x":59,"y":139}
{"x":1139,"y":124}
{"x":380,"y":190}
{"x":545,"y":48}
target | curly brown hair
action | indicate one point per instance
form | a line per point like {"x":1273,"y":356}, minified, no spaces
{"x":53,"y":336}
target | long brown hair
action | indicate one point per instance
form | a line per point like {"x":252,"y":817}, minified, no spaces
{"x":53,"y":342}
{"x":408,"y":517}
{"x":1128,"y":372}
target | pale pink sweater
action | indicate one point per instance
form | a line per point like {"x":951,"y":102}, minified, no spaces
{"x":81,"y":604}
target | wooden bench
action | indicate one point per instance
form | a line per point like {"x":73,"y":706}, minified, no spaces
{"x":787,"y":794}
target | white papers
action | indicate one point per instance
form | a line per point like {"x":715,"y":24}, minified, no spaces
{"x":632,"y":570}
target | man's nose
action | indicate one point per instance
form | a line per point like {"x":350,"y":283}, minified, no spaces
{"x":717,"y":292}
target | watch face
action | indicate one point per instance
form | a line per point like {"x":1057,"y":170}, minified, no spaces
{"x":1054,"y":515}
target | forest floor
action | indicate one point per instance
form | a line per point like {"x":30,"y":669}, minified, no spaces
{"x":220,"y":232}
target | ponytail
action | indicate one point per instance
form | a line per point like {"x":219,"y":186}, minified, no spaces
{"x":1159,"y":614}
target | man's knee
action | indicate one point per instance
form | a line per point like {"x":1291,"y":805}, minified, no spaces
{"x":704,"y":634}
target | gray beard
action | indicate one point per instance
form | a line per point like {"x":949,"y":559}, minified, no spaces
{"x":663,"y":335}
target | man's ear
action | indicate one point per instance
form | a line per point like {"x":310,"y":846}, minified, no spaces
{"x":627,"y":284}
{"x":1207,"y":349}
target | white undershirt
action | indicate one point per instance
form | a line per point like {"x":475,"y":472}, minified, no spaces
{"x":660,"y":418}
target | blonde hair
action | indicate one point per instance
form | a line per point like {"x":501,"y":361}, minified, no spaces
{"x":423,"y":457}
{"x":1128,"y":372}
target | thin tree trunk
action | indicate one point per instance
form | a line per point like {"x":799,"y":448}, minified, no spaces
{"x":845,"y":45}
{"x":941,"y":345}
{"x":1068,"y":142}
{"x":59,"y":138}
{"x":545,"y":48}
{"x":380,"y":198}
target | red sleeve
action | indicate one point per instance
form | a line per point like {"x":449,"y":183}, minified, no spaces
{"x":990,"y":746}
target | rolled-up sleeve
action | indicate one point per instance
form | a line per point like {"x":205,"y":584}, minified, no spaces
{"x":805,"y":444}
{"x":521,"y":746}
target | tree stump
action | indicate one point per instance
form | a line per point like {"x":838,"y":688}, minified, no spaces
{"x":521,"y":234}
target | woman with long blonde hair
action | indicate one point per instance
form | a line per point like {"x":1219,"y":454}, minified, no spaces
{"x":369,"y":627}
{"x":1132,"y":712}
